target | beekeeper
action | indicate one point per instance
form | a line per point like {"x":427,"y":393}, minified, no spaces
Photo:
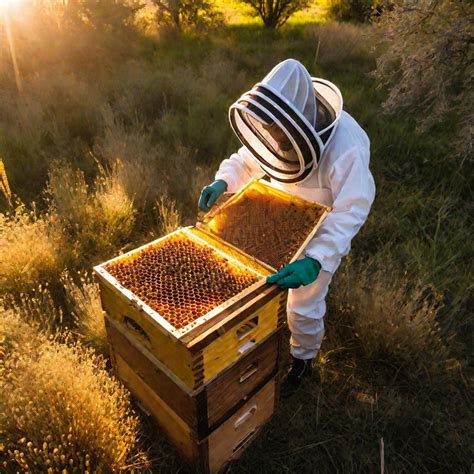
{"x":294,"y":130}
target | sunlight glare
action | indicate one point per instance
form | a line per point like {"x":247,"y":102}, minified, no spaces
{"x":7,"y":3}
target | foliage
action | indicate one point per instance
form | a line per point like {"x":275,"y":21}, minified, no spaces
{"x":275,"y":13}
{"x":337,"y":43}
{"x":129,"y":149}
{"x":186,"y":14}
{"x":393,"y":318}
{"x":59,"y":408}
{"x":358,"y":10}
{"x":102,"y":14}
{"x":37,"y":307}
{"x":428,"y":65}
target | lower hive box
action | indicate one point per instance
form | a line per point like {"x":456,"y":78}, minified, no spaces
{"x":205,"y":409}
{"x":225,"y":443}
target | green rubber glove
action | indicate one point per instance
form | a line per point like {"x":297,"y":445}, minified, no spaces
{"x":293,"y":275}
{"x":209,"y":194}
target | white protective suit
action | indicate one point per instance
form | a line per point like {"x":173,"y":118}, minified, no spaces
{"x":341,"y":180}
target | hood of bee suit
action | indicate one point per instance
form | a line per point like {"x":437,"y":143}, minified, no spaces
{"x":287,"y":120}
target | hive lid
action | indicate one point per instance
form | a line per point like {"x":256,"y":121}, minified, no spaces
{"x":265,"y":223}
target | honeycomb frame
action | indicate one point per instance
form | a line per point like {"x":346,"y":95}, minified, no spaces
{"x":198,"y":238}
{"x":216,"y":223}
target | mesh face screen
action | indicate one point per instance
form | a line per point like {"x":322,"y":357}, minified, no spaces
{"x":276,"y":140}
{"x":265,"y":226}
{"x":181,"y":279}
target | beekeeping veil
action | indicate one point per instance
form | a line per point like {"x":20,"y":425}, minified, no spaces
{"x":286,"y":120}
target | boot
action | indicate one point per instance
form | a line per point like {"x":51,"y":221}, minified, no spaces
{"x":299,"y":372}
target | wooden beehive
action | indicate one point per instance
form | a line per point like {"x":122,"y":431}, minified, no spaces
{"x":199,"y":351}
{"x":208,"y":378}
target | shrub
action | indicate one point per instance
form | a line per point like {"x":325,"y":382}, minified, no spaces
{"x":137,"y":162}
{"x":33,"y":249}
{"x":37,"y":307}
{"x":186,"y":14}
{"x":83,"y":300}
{"x":60,"y":410}
{"x":114,"y":209}
{"x":275,"y":13}
{"x":358,"y":10}
{"x":426,"y":65}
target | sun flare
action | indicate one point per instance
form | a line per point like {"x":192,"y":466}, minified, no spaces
{"x":7,"y":3}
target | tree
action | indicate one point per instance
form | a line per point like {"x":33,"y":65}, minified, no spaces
{"x":275,"y":13}
{"x":99,"y":14}
{"x":428,"y":63}
{"x":358,"y":10}
{"x":186,"y":14}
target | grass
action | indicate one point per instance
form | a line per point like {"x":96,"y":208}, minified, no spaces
{"x":83,"y":302}
{"x":60,"y":409}
{"x":32,"y":249}
{"x":114,"y":153}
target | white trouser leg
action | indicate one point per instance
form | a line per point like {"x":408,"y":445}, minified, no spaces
{"x":306,"y":309}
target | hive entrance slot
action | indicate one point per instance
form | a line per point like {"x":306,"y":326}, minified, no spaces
{"x":247,"y":328}
{"x":134,"y":326}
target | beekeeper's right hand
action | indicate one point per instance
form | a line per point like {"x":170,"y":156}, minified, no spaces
{"x":209,"y":194}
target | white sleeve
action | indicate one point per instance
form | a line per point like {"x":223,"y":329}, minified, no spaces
{"x":353,"y":191}
{"x":239,"y":169}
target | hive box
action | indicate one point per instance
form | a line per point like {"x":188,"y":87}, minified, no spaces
{"x":234,"y":405}
{"x":200,"y":351}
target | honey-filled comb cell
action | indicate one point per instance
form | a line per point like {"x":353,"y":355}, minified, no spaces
{"x":181,"y":279}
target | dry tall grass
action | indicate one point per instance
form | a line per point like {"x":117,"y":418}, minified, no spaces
{"x":130,"y":150}
{"x":394,"y":319}
{"x":83,"y":300}
{"x":59,"y":408}
{"x":338,"y":42}
{"x":168,"y":215}
{"x":37,"y":307}
{"x":99,"y":219}
{"x":32,"y":249}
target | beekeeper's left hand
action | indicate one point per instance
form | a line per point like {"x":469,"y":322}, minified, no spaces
{"x":296,"y":274}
